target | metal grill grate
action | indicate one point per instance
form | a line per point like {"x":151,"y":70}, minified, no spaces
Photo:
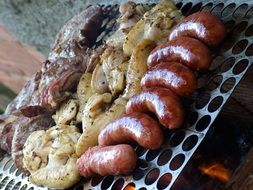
{"x":158,"y":169}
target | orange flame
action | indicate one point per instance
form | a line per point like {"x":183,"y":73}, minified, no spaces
{"x":217,"y":171}
{"x":129,"y":187}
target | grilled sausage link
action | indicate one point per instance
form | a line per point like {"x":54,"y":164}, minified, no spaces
{"x":108,"y":160}
{"x":201,"y":25}
{"x":172,"y":75}
{"x":188,"y":51}
{"x":163,"y":102}
{"x":138,"y":127}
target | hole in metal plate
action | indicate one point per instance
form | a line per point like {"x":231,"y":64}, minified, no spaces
{"x":240,"y":46}
{"x":179,"y":5}
{"x":229,"y":24}
{"x":249,"y":31}
{"x":228,"y":85}
{"x":3,"y":182}
{"x":142,"y":164}
{"x":229,"y":9}
{"x":164,"y":181}
{"x":118,"y":184}
{"x":249,"y":13}
{"x":190,"y":142}
{"x":140,"y":151}
{"x":143,"y":188}
{"x":203,"y":123}
{"x":138,"y":174}
{"x":152,"y":154}
{"x":18,"y":172}
{"x":165,"y":157}
{"x":17,"y":186}
{"x":228,"y":43}
{"x":24,"y":187}
{"x":152,"y":176}
{"x":215,"y":104}
{"x":177,"y":162}
{"x":195,"y":8}
{"x":227,"y":64}
{"x":207,"y":7}
{"x":240,"y":66}
{"x":130,"y":186}
{"x":241,"y":10}
{"x":7,"y":165}
{"x":202,"y":99}
{"x":13,"y":168}
{"x":186,"y":8}
{"x":193,"y":117}
{"x":79,"y":187}
{"x":107,"y":182}
{"x":177,"y":138}
{"x":240,"y":27}
{"x":249,"y":51}
{"x":215,"y":82}
{"x":10,"y":184}
{"x":217,"y":61}
{"x":96,"y":180}
{"x":217,"y":8}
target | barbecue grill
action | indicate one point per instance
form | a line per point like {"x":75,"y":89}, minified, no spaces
{"x":158,"y":169}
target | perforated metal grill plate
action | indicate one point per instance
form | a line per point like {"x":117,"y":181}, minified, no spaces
{"x":159,"y":169}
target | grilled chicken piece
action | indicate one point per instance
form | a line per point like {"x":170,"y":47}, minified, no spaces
{"x":89,"y":138}
{"x":18,"y":126}
{"x":50,"y":157}
{"x":155,"y":25}
{"x":114,"y":64}
{"x":130,"y":14}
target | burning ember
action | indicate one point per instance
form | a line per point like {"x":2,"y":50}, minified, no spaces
{"x":217,"y":171}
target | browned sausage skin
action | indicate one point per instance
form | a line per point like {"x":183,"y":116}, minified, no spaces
{"x":185,"y":50}
{"x":163,"y":102}
{"x":108,"y":160}
{"x":138,"y":127}
{"x":201,"y":25}
{"x":172,"y":75}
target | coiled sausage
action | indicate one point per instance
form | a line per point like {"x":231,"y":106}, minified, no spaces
{"x":163,"y":102}
{"x":138,"y":127}
{"x":108,"y":160}
{"x":201,"y":25}
{"x":172,"y":75}
{"x":188,"y":51}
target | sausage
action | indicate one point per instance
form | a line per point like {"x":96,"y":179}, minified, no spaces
{"x":172,"y":75}
{"x":109,"y":160}
{"x":201,"y":25}
{"x":138,"y":127}
{"x":163,"y":102}
{"x":188,"y":51}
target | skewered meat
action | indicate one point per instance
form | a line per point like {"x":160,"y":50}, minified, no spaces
{"x":137,"y":127}
{"x":18,"y":126}
{"x":50,"y":157}
{"x":161,"y":101}
{"x":172,"y":75}
{"x":204,"y":26}
{"x":188,"y":51}
{"x":108,"y":160}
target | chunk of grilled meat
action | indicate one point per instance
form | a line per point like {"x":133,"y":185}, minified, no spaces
{"x":67,"y":61}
